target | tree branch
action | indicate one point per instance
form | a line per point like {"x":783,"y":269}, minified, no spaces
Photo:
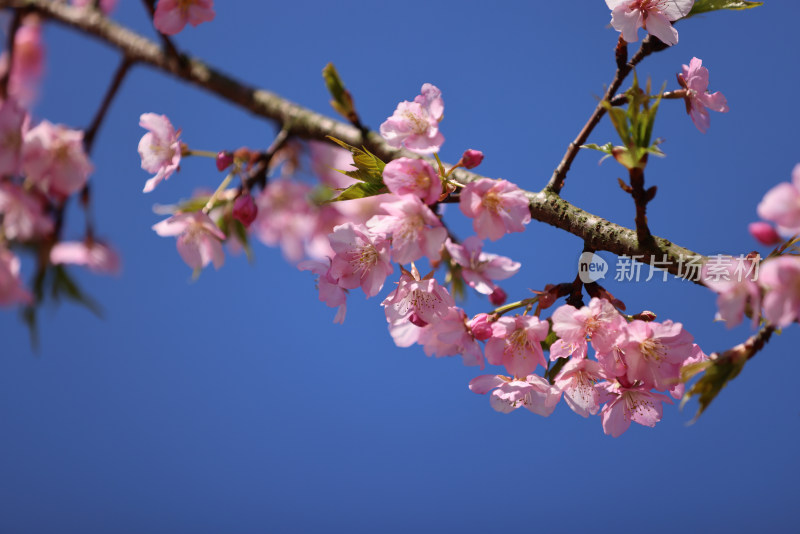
{"x":546,"y":206}
{"x":116,"y":82}
{"x":624,"y":67}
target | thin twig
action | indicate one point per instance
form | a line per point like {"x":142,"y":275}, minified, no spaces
{"x":649,"y":45}
{"x":16,"y":22}
{"x":113,"y":88}
{"x":621,"y":99}
{"x":169,"y":46}
{"x":258,"y":175}
{"x":91,"y":134}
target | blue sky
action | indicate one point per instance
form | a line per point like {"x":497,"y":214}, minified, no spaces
{"x":233,"y":403}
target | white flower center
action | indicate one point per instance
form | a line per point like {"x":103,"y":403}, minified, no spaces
{"x":653,"y":350}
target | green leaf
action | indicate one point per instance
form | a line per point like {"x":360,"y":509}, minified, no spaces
{"x":619,"y":119}
{"x":549,"y":340}
{"x":342,"y":99}
{"x":30,"y":318}
{"x":193,"y":204}
{"x":629,"y":159}
{"x":653,"y":149}
{"x":552,"y":373}
{"x":458,"y":288}
{"x":64,"y":285}
{"x":360,"y":190}
{"x":717,"y":375}
{"x":370,"y":165}
{"x":605,"y":149}
{"x":704,"y":6}
{"x":369,"y":171}
{"x":238,"y":229}
{"x":650,"y":117}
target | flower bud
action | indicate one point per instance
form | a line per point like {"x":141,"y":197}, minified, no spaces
{"x":245,"y":209}
{"x":481,"y":327}
{"x":646,"y":316}
{"x":498,"y":297}
{"x":471,"y":158}
{"x":224,"y":160}
{"x":764,"y":233}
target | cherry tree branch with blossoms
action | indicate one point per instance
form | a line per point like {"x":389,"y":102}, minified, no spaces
{"x":545,"y":206}
{"x":378,"y":204}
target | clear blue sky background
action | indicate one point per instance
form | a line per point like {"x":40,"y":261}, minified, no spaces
{"x":233,"y":404}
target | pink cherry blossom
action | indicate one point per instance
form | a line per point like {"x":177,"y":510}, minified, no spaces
{"x":417,"y":301}
{"x":54,"y":159}
{"x":28,"y":64}
{"x":97,"y":257}
{"x":414,"y":229}
{"x":533,"y":392}
{"x":736,"y":288}
{"x":566,"y":349}
{"x":480,"y":269}
{"x":13,"y":124}
{"x":613,"y":360}
{"x":286,"y":217}
{"x":781,"y":205}
{"x":23,"y":214}
{"x":415,"y":125}
{"x":362,"y":258}
{"x":577,"y":380}
{"x":698,"y":100}
{"x":764,"y":233}
{"x":12,"y":291}
{"x":329,"y":291}
{"x":106,"y":6}
{"x":635,"y":404}
{"x":654,"y":353}
{"x":627,"y":16}
{"x":497,"y":207}
{"x":159,"y":148}
{"x":171,"y":16}
{"x":449,"y":335}
{"x":781,"y":278}
{"x":516,"y":344}
{"x":600,"y":321}
{"x":406,"y":176}
{"x":199,"y":239}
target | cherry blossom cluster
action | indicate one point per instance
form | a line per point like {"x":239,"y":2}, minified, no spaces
{"x":366,"y":224}
{"x":359,"y":244}
{"x":772,"y":290}
{"x":634,"y":360}
{"x":42,"y":165}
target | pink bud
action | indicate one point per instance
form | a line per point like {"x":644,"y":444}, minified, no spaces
{"x":764,"y":233}
{"x":646,"y":316}
{"x":498,"y":297}
{"x":417,"y":320}
{"x":224,"y":160}
{"x":245,"y":209}
{"x":481,"y":327}
{"x":471,"y":158}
